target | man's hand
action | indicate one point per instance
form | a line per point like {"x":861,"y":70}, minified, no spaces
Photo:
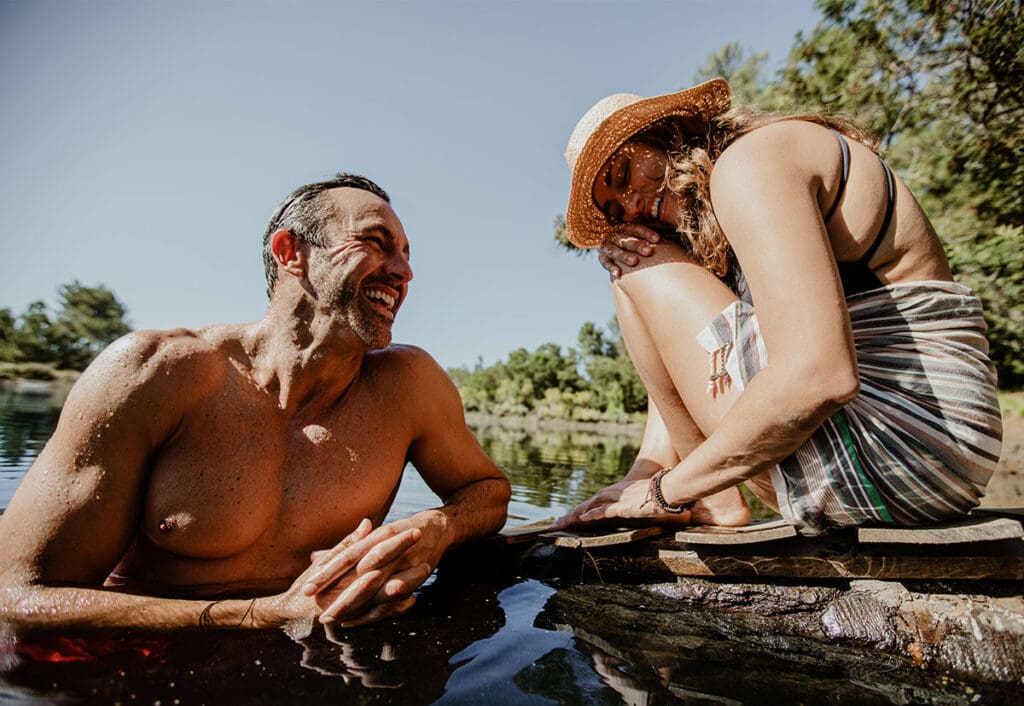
{"x":622,"y":247}
{"x":371,"y":575}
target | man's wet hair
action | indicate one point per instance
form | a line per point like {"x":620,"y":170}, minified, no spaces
{"x":305,"y":213}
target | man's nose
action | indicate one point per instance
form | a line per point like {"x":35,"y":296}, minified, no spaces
{"x":398,"y":268}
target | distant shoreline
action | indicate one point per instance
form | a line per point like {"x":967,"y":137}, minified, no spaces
{"x":534,"y":423}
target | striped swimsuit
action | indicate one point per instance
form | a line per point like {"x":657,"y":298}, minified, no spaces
{"x":921,"y":439}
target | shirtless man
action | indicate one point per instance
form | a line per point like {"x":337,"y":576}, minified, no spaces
{"x":205,"y":477}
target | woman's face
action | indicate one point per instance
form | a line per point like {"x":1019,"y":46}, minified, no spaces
{"x":630,"y":187}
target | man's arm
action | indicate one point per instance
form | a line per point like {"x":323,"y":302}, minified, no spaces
{"x":78,"y":508}
{"x":474,"y":491}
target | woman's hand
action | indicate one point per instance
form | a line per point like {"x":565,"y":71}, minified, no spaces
{"x":627,"y":500}
{"x":623,"y":246}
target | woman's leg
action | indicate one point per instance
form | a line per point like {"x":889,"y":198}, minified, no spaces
{"x":661,"y":307}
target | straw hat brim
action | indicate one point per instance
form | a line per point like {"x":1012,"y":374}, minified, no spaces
{"x":586,"y":225}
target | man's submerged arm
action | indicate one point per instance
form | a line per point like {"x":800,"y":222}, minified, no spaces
{"x":30,"y":605}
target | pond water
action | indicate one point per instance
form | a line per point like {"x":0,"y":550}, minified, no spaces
{"x":483,"y":631}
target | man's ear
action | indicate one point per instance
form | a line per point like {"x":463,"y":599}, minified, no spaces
{"x":287,"y":252}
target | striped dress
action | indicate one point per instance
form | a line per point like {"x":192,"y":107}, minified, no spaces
{"x":919,"y":442}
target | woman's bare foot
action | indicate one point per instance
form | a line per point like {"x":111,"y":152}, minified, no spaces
{"x":726,"y":508}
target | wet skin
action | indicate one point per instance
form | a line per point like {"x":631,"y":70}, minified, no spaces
{"x":240,"y":459}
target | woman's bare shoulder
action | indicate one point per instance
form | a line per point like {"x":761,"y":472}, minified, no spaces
{"x":778,"y":143}
{"x":789,"y":157}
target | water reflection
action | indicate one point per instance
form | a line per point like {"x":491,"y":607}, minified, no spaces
{"x":554,"y":470}
{"x":26,"y":422}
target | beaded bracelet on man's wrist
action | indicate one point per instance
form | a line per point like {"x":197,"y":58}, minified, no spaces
{"x":655,"y":492}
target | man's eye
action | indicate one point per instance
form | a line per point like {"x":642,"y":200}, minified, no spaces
{"x":625,"y":174}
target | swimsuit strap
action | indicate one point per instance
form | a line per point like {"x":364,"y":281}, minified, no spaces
{"x":845,"y":148}
{"x":890,"y":205}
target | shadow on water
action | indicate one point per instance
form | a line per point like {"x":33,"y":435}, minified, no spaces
{"x":482,"y":631}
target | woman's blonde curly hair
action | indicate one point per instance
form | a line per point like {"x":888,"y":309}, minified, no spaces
{"x":691,"y":156}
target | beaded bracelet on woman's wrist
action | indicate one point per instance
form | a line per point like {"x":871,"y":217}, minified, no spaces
{"x":655,"y":492}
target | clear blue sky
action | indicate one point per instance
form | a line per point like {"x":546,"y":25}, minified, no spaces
{"x":143,"y":145}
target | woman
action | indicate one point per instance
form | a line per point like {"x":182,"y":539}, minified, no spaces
{"x":796,"y":323}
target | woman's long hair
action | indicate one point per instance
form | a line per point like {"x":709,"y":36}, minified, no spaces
{"x":692,"y":150}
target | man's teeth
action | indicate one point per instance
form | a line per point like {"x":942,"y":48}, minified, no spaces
{"x":389,"y":301}
{"x":655,"y":205}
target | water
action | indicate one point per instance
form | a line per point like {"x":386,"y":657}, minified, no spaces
{"x":483,"y":632}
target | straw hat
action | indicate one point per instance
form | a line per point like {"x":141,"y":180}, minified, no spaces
{"x":606,"y":127}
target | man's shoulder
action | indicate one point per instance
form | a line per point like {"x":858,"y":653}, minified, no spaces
{"x":404,"y":362}
{"x":167,"y":353}
{"x":401,"y":353}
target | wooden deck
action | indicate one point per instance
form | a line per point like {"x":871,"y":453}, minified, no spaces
{"x":988,"y":546}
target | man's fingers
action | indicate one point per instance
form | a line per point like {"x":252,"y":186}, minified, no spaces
{"x":608,"y":264}
{"x":372,"y":572}
{"x":404,"y":583}
{"x":390,"y":549}
{"x":355,"y":595}
{"x":374,"y":589}
{"x":385,"y":610}
{"x":336,"y":563}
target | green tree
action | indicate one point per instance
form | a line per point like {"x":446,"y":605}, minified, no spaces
{"x":89,"y":319}
{"x":33,"y":336}
{"x":942,"y":83}
{"x":9,"y":352}
{"x":745,"y":72}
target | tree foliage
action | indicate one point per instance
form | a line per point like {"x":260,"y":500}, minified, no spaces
{"x":941,"y":83}
{"x":87,"y":320}
{"x":591,"y":382}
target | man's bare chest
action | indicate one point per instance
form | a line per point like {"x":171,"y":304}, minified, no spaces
{"x":241,"y":478}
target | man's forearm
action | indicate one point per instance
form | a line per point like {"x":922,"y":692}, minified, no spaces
{"x":42,"y":607}
{"x":476,"y":510}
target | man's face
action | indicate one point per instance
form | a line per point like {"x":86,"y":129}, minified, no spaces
{"x":363,"y":273}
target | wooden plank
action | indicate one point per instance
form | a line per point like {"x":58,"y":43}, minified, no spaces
{"x":590,"y":539}
{"x":980,"y":529}
{"x":521,"y":534}
{"x":807,"y":558}
{"x":757,"y":531}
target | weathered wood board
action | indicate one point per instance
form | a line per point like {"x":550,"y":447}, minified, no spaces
{"x":756,"y":531}
{"x":577,"y":539}
{"x":975,"y":529}
{"x":817,"y":559}
{"x":982,"y":548}
{"x":589,"y":540}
